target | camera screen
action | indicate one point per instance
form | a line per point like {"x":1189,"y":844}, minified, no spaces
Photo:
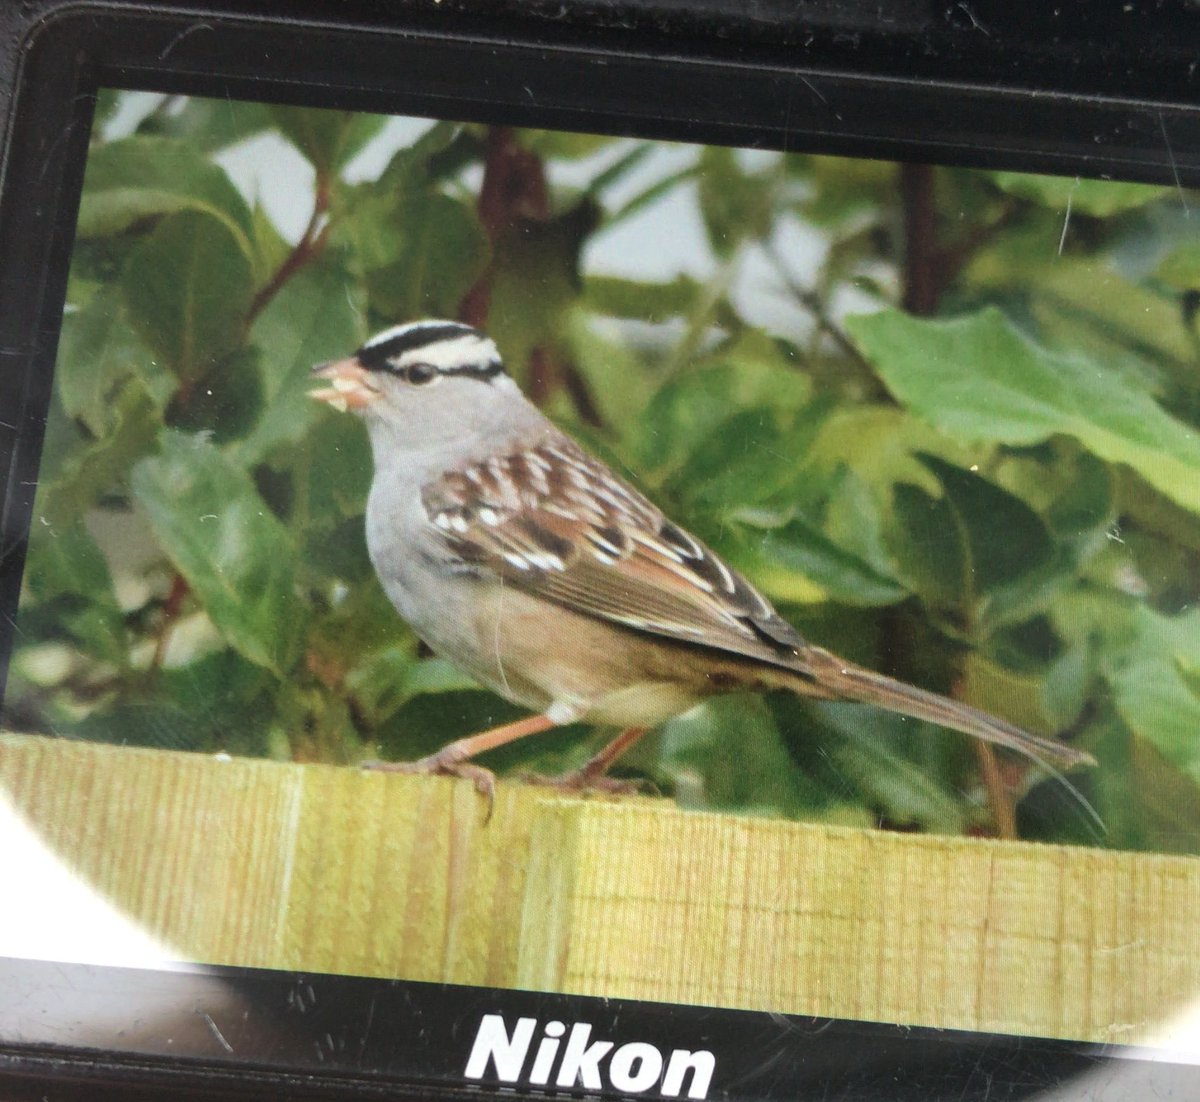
{"x":693,"y":526}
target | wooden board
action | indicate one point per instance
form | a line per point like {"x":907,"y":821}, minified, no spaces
{"x":329,"y":869}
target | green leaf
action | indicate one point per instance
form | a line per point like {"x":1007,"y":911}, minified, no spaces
{"x":683,"y":413}
{"x":1069,"y":680}
{"x":904,"y":790}
{"x":978,"y":552}
{"x":425,"y":723}
{"x":751,"y":459}
{"x":930,"y":548}
{"x":208,"y":125}
{"x":977,"y":378}
{"x":316,"y":317}
{"x":389,"y":678}
{"x":328,"y":139}
{"x":130,"y":181}
{"x":225,"y":401}
{"x":215,"y":689}
{"x":1144,"y":802}
{"x":95,"y":262}
{"x":736,"y":205}
{"x":64,"y":436}
{"x":696,"y":755}
{"x":1074,"y":494}
{"x":1189,"y":670}
{"x":641,"y":299}
{"x":1166,"y":801}
{"x":535,"y":280}
{"x":889,"y":762}
{"x":434,"y":675}
{"x":1014,"y":694}
{"x":358,"y":636}
{"x":368,"y":221}
{"x":1181,"y":266}
{"x":422,"y":259}
{"x":216,"y":703}
{"x":1088,"y":308}
{"x":1005,"y":539}
{"x":66,"y":568}
{"x":879,"y":443}
{"x":237,"y":558}
{"x":338,"y":470}
{"x":640,"y":200}
{"x":797,"y":562}
{"x":767,"y":372}
{"x":563,"y":145}
{"x":854,"y":521}
{"x":1072,"y":490}
{"x":271,"y":250}
{"x":161,"y":724}
{"x":819,"y":538}
{"x":1099,"y":198}
{"x":620,"y":380}
{"x":1145,"y":657}
{"x":97,"y":350}
{"x":686,"y":411}
{"x":438,"y":154}
{"x":1153,"y":693}
{"x":90,"y":470}
{"x":188,"y":288}
{"x":844,"y":194}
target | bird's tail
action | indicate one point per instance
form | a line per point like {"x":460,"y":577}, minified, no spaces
{"x":847,"y":681}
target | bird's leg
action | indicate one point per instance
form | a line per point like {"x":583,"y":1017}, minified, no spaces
{"x":453,"y":759}
{"x":593,"y":774}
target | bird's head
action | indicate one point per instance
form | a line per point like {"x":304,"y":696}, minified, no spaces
{"x":421,"y":384}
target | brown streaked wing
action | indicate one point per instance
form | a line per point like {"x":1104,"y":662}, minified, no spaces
{"x":558,"y":524}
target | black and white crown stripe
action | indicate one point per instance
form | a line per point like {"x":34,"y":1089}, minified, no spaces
{"x":450,"y":347}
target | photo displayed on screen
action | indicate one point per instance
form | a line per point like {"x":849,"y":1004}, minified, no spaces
{"x":651,"y":507}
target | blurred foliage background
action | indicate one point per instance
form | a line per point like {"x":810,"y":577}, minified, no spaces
{"x":945,"y":418}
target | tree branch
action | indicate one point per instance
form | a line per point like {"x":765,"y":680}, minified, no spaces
{"x":922,"y":256}
{"x":310,"y":245}
{"x":172,"y":607}
{"x":811,"y":302}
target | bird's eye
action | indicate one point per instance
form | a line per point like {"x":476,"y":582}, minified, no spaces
{"x":419,"y":374}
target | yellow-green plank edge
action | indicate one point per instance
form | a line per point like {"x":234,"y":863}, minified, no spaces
{"x":327,"y":869}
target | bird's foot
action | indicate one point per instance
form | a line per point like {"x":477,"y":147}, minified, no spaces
{"x":442,"y":764}
{"x":584,"y":780}
{"x":454,"y":759}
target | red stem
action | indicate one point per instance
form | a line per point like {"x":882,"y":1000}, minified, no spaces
{"x":172,"y":607}
{"x":305,"y":250}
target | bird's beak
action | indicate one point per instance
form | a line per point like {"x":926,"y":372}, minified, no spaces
{"x":350,"y":385}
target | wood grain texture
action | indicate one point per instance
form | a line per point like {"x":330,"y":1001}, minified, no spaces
{"x":655,"y":903}
{"x":317,"y":868}
{"x":277,"y":865}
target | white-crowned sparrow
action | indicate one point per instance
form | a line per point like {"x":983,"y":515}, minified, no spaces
{"x":531,"y":566}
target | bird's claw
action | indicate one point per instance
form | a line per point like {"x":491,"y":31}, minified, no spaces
{"x":443,"y":765}
{"x":584,"y":780}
